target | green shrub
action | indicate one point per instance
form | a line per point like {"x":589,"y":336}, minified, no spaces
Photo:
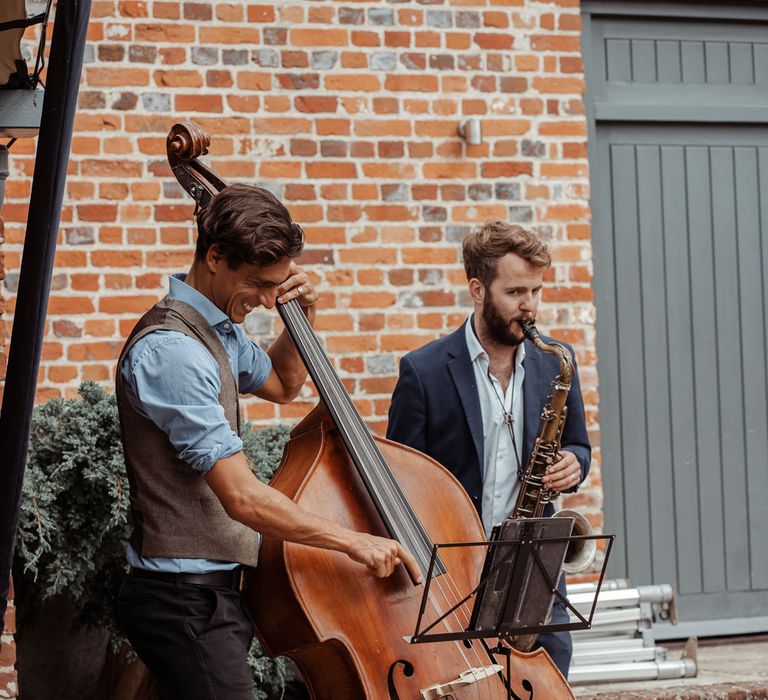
{"x":74,"y":521}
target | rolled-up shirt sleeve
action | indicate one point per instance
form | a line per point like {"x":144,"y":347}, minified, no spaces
{"x":254,"y":365}
{"x":174,"y":381}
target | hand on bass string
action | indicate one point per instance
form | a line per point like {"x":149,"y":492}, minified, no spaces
{"x":297,"y":286}
{"x":382,"y":555}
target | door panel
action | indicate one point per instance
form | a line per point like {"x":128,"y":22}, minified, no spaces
{"x":684,"y":427}
{"x":678,"y":122}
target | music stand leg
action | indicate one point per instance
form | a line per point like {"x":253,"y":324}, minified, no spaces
{"x":507,"y":653}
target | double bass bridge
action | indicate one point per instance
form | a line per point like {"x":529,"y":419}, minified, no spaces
{"x":465,"y":679}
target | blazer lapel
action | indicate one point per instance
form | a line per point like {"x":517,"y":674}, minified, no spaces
{"x":460,"y":367}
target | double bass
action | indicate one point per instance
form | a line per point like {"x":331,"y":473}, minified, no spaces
{"x":348,"y":631}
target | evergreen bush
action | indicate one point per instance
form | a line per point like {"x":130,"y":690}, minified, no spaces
{"x":74,"y":521}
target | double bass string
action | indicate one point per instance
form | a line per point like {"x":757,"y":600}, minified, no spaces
{"x":360,"y":441}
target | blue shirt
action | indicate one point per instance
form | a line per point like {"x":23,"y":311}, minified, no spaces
{"x":172,"y":380}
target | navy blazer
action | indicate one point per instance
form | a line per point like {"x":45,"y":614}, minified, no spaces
{"x":436,"y":410}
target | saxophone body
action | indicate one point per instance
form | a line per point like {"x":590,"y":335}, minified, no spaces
{"x":533,"y":496}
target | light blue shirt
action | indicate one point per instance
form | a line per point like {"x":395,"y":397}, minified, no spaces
{"x":172,"y":380}
{"x":500,"y":458}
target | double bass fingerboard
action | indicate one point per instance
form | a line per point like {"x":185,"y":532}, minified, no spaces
{"x":400,"y":520}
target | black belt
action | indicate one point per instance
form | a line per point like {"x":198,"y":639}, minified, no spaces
{"x":234,"y":579}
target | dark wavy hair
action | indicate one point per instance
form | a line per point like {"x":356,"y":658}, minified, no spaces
{"x":495,"y":239}
{"x":248,"y":225}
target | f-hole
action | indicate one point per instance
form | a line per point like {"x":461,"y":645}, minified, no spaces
{"x":407,"y":672}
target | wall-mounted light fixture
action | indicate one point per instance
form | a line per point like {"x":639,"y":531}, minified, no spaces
{"x":471,"y":130}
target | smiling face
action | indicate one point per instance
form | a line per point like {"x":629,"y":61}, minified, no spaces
{"x":239,"y":291}
{"x":513,"y":294}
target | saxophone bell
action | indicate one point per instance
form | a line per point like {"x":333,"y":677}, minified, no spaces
{"x":580,"y":553}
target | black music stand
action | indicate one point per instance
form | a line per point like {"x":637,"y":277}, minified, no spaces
{"x":517,"y":587}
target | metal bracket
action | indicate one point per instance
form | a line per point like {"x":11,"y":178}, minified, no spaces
{"x":691,"y":650}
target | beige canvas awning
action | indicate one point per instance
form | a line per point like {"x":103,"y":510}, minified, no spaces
{"x":13,"y":69}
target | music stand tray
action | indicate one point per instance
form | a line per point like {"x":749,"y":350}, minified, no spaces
{"x":518,"y":583}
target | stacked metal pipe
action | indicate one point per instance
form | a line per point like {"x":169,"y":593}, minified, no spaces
{"x":620,"y":644}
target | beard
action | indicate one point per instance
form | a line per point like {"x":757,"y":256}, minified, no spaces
{"x":497,"y":326}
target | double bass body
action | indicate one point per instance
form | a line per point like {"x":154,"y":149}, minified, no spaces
{"x":345,"y":628}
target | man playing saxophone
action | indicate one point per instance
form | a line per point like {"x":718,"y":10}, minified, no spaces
{"x":472,"y":399}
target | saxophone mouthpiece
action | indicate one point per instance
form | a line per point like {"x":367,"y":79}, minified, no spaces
{"x":529,"y":329}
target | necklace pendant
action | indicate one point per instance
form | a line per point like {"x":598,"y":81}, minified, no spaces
{"x":508,"y":419}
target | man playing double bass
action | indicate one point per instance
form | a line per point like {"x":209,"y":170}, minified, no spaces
{"x":472,"y":399}
{"x":197,"y":508}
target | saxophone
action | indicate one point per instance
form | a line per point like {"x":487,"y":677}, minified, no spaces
{"x":531,"y":605}
{"x":533,"y":495}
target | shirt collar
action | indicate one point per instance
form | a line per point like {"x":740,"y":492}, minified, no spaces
{"x":473,"y":344}
{"x":476,"y":350}
{"x":178,"y":289}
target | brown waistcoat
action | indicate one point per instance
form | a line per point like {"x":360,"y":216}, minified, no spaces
{"x":175,"y":513}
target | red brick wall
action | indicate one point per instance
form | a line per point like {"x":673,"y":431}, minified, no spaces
{"x":350,"y":111}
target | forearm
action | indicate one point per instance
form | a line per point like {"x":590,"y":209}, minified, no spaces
{"x":266,"y":510}
{"x":288,"y":371}
{"x":277,"y":516}
{"x":287,"y":365}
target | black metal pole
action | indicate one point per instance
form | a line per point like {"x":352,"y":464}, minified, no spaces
{"x":48,"y":183}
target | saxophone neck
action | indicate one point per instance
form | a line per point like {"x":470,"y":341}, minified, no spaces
{"x":563,"y":355}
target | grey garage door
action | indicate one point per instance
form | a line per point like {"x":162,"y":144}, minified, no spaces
{"x":679,"y":161}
